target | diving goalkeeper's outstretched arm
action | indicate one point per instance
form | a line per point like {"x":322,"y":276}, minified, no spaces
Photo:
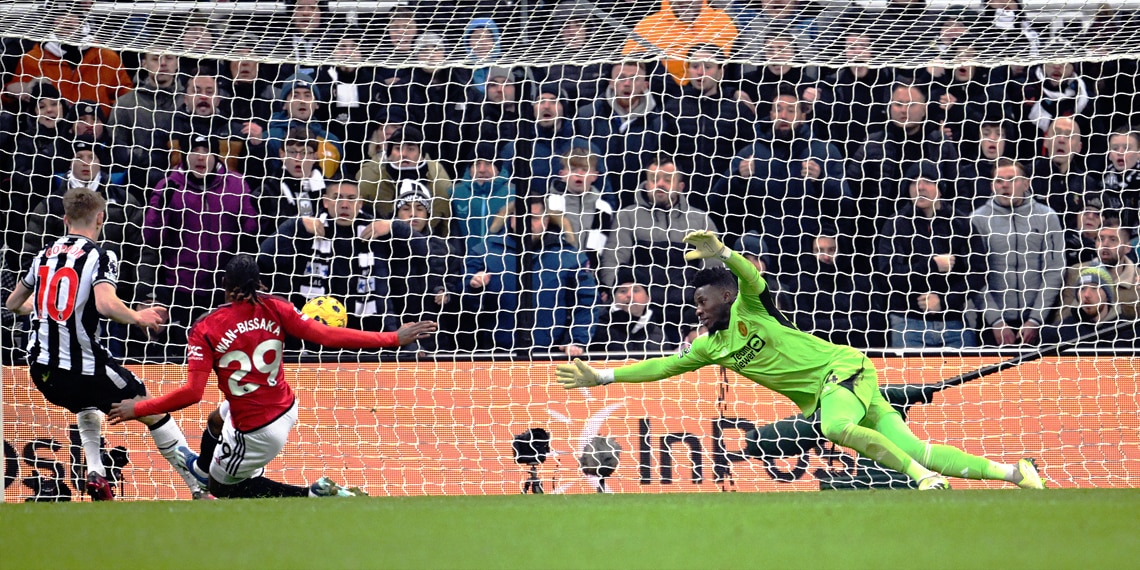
{"x":578,"y":374}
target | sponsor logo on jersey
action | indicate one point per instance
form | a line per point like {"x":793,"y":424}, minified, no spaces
{"x":194,"y":352}
{"x":743,"y":329}
{"x":746,"y":353}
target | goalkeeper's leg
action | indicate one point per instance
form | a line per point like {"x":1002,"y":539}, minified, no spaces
{"x":944,"y":459}
{"x":841,"y":411}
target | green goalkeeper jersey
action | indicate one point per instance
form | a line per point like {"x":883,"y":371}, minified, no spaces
{"x":759,"y":344}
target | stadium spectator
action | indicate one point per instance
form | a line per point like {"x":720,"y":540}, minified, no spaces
{"x":398,"y":43}
{"x":530,"y":292}
{"x":759,"y":87}
{"x":875,"y":171}
{"x":788,"y":180}
{"x":298,"y":190}
{"x":1007,"y":31}
{"x":932,"y":263}
{"x":706,"y":125}
{"x":849,"y":102}
{"x":980,"y":154}
{"x":12,"y":224}
{"x":491,"y":293}
{"x":825,"y":296}
{"x":575,"y":198}
{"x":67,"y":361}
{"x":1025,"y":259}
{"x":433,"y":97}
{"x":1007,"y":90}
{"x":249,"y":82}
{"x":404,"y":159}
{"x":196,"y":35}
{"x":1121,"y":180}
{"x":631,"y":323}
{"x":1055,"y":90}
{"x":1113,"y":249}
{"x":69,"y":60}
{"x":308,"y":36}
{"x":300,"y":102}
{"x":342,"y":263}
{"x":87,"y":123}
{"x":560,"y":285}
{"x":626,"y":123}
{"x":953,"y":34}
{"x":482,"y":48}
{"x":677,"y":28}
{"x":389,"y":119}
{"x":1060,"y":177}
{"x":1115,"y":81}
{"x":432,"y":50}
{"x":427,"y":286}
{"x":201,"y":113}
{"x":550,"y":134}
{"x":648,"y":240}
{"x":1093,"y":311}
{"x":197,"y":218}
{"x":42,"y":142}
{"x":495,"y":120}
{"x":797,"y":20}
{"x":1080,"y":242}
{"x":958,"y":95}
{"x":143,"y":120}
{"x":348,"y":104}
{"x":577,"y":39}
{"x":483,"y":200}
{"x":754,"y":248}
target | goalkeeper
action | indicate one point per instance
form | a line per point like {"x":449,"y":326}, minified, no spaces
{"x":749,"y":335}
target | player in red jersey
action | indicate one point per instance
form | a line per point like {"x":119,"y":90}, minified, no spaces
{"x":242,"y":342}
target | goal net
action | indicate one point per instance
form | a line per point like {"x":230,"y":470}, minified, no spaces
{"x":942,"y":185}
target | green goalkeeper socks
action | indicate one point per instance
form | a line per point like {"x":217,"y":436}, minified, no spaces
{"x":891,"y":444}
{"x":945,"y":459}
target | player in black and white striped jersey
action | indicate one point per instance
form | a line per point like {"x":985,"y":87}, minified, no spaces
{"x":70,"y":284}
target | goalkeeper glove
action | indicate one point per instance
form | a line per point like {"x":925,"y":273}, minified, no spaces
{"x":578,"y":374}
{"x":707,"y":244}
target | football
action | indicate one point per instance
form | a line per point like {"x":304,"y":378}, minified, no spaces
{"x":326,"y":310}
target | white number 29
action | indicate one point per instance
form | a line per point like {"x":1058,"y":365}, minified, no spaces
{"x":247,"y":363}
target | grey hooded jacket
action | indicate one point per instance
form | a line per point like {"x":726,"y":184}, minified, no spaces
{"x":1026,"y":260}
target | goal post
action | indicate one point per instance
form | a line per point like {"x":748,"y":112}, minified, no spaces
{"x":944,"y":185}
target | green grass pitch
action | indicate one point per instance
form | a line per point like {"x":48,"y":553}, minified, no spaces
{"x":994,"y":530}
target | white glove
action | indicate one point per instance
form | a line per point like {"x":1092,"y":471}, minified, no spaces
{"x":707,"y":244}
{"x":578,"y":374}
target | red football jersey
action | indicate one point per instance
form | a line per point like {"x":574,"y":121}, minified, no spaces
{"x":242,"y":342}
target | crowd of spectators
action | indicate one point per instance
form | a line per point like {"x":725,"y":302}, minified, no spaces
{"x":543,"y":206}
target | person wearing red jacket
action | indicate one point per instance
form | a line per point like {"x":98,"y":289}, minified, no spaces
{"x":242,"y":342}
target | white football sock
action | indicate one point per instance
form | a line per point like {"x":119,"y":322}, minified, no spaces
{"x":90,"y":429}
{"x":168,"y":438}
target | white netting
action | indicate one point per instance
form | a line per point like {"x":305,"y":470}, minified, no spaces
{"x":553,"y":154}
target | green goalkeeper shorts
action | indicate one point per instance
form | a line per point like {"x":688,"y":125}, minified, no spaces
{"x":854,"y":372}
